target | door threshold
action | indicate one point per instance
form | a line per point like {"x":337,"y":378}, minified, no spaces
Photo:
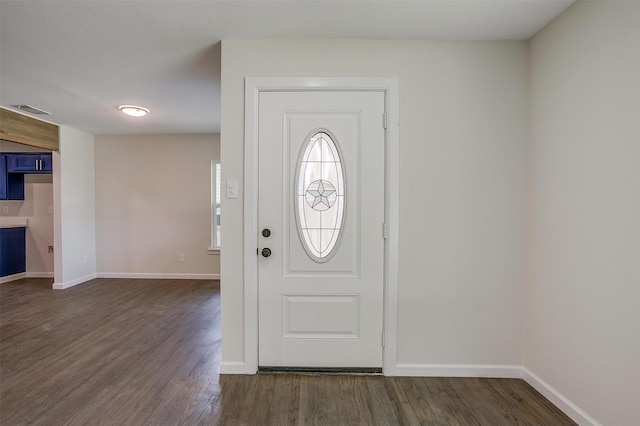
{"x":318,"y":371}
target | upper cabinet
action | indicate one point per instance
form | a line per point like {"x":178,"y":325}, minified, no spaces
{"x":11,"y":184}
{"x":13,"y":167}
{"x":3,"y":177}
{"x":29,"y":162}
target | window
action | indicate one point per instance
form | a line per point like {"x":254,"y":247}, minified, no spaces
{"x":215,"y":207}
{"x":320,"y":195}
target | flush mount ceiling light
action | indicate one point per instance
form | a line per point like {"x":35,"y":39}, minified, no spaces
{"x":134,"y":110}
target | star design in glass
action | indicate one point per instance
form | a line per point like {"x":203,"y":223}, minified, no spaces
{"x":321,"y":195}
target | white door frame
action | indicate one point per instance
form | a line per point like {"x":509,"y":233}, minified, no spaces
{"x":253,"y":87}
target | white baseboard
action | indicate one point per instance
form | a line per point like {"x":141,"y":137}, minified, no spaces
{"x":13,"y":277}
{"x":557,"y":399}
{"x":65,"y":285}
{"x":62,"y":286}
{"x":170,"y":276}
{"x":39,"y":274}
{"x":230,"y":367}
{"x":457,"y":370}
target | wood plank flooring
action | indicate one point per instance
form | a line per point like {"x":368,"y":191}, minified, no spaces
{"x":146,"y":352}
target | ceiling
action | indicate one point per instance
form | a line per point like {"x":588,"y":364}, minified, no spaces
{"x":80,"y":59}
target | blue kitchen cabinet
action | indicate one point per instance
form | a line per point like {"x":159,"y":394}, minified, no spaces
{"x":3,"y":177}
{"x":13,"y":258}
{"x":29,"y":162}
{"x":11,"y":184}
{"x":13,"y":167}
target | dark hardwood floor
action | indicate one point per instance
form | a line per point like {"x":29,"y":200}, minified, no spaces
{"x":146,"y":352}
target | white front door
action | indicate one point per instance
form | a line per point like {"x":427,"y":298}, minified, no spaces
{"x":320,"y":216}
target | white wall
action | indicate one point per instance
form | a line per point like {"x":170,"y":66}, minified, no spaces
{"x":463,"y":133}
{"x":582,"y":326}
{"x":74,"y":208}
{"x":35,"y":208}
{"x":153,"y":202}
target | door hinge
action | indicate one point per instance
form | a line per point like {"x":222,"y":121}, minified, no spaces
{"x":385,"y":230}
{"x":384,"y":120}
{"x":383,"y":339}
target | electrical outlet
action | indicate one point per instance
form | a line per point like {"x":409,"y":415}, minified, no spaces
{"x":84,"y":259}
{"x":50,"y":210}
{"x":5,"y":209}
{"x":181,"y":257}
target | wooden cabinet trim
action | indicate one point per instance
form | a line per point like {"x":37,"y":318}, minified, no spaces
{"x":26,"y":130}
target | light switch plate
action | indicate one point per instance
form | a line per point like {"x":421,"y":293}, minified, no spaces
{"x":232,"y":189}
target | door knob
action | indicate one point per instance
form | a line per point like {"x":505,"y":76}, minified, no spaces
{"x":266,"y":252}
{"x":266,"y":232}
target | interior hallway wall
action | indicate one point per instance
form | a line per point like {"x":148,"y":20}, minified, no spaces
{"x":463,"y":134}
{"x":74,"y":208}
{"x":582,"y":301}
{"x":153,"y":203}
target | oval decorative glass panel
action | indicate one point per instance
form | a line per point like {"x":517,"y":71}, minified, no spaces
{"x":320,"y":202}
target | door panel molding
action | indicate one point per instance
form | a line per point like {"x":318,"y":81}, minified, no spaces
{"x":301,"y":316}
{"x":253,"y":87}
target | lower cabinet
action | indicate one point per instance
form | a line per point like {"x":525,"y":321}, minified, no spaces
{"x":13,"y":259}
